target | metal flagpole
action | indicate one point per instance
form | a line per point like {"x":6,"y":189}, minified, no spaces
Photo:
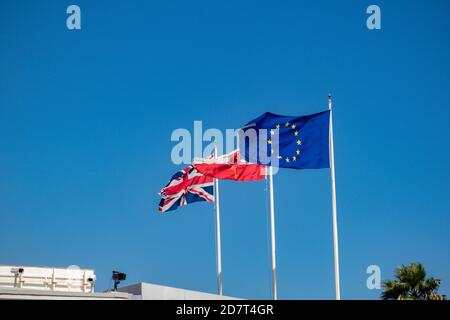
{"x":219,"y":249}
{"x":272,"y":236}
{"x":333,"y":201}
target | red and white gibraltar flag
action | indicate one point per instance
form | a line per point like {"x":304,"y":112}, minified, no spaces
{"x":230,"y":167}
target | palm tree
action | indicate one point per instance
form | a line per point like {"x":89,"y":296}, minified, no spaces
{"x":411,"y":284}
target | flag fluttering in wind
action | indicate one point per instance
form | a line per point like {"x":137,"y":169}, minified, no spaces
{"x":296,"y":142}
{"x":304,"y":142}
{"x":230,"y":167}
{"x":186,"y":186}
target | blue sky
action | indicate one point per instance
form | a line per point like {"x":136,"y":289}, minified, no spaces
{"x":86,"y":118}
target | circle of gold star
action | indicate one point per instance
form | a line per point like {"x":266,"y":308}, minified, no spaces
{"x":294,"y":131}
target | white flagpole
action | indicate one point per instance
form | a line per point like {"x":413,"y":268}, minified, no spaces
{"x":272,"y":236}
{"x":218,"y":244}
{"x":333,"y":201}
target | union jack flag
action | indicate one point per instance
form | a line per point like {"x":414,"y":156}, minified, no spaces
{"x":186,"y":186}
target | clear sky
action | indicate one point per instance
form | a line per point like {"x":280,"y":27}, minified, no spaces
{"x":86,"y":118}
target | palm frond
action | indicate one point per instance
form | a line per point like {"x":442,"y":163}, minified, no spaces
{"x":411,"y":284}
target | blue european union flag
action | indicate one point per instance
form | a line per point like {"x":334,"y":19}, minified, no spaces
{"x":287,"y":141}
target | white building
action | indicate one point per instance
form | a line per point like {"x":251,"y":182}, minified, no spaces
{"x":24,"y":282}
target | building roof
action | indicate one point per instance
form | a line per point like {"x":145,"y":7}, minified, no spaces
{"x":148,"y":291}
{"x":32,"y":294}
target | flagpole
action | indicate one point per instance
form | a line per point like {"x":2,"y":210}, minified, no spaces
{"x":218,"y":244}
{"x":272,"y":236}
{"x":333,"y":201}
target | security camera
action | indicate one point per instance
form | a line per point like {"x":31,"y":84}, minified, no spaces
{"x":117,"y":277}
